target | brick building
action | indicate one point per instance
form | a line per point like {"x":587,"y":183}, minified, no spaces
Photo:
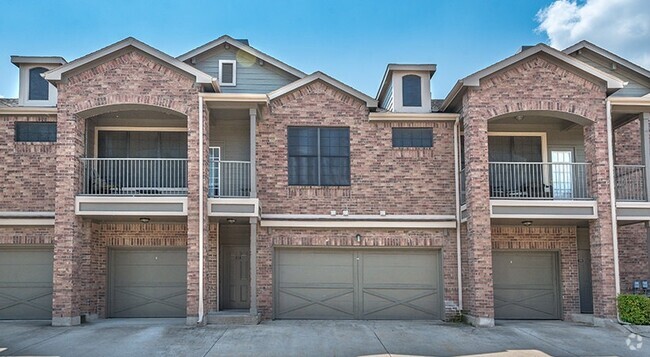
{"x":226,"y":186}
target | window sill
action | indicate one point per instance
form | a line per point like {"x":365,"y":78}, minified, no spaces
{"x":318,"y":191}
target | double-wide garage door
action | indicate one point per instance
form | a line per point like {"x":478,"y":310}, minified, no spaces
{"x":526,"y":285}
{"x":147,"y":283}
{"x":25,"y":283}
{"x":357,"y":284}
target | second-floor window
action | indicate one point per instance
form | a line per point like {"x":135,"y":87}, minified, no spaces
{"x":35,"y":132}
{"x":411,"y":91}
{"x":319,"y":156}
{"x":38,"y":86}
{"x":228,"y":72}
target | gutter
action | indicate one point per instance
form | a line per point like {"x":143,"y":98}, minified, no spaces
{"x":458,"y":213}
{"x":612,"y":195}
{"x":200,"y":317}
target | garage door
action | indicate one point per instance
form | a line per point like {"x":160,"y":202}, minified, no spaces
{"x":357,"y":284}
{"x":147,"y":283}
{"x":526,"y":285}
{"x":25,"y":283}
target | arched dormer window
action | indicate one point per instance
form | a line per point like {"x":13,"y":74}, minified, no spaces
{"x":38,"y":86}
{"x":411,"y":91}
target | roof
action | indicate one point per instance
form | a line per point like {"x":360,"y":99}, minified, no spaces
{"x":370,"y":102}
{"x":242,"y":45}
{"x":431,"y":68}
{"x":473,"y":80}
{"x":201,"y":77}
{"x":18,"y":60}
{"x":612,"y":57}
{"x":8,"y":102}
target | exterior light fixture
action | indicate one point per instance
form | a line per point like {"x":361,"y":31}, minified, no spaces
{"x":519,"y":117}
{"x":358,"y":238}
{"x":527,"y":223}
{"x":231,"y":220}
{"x":145,"y":219}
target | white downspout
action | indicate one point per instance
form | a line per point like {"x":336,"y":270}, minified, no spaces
{"x":200,"y":319}
{"x":458,"y":213}
{"x":612,"y":194}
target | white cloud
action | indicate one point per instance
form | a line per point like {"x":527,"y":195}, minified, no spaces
{"x":620,"y":26}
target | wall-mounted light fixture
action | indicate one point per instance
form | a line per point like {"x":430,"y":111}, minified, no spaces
{"x":145,"y":219}
{"x":231,"y":220}
{"x":527,"y":223}
{"x":358,"y":238}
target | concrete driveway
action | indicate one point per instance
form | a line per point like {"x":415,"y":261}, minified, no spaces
{"x":164,"y":337}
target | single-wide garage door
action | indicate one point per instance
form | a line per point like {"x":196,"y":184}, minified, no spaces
{"x":147,"y":283}
{"x":357,"y":284}
{"x":526,"y":285}
{"x":25,"y":283}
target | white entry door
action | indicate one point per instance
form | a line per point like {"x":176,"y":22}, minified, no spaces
{"x":562,"y":173}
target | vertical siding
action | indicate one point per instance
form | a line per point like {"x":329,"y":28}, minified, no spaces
{"x":232,"y":135}
{"x":387,"y":102}
{"x":251,"y":76}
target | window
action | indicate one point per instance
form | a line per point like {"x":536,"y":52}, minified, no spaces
{"x":142,"y":144}
{"x":35,"y":132}
{"x":515,"y":148}
{"x":227,"y":72}
{"x":411,"y":91}
{"x":412,"y":137}
{"x":319,"y":156}
{"x":38,"y":86}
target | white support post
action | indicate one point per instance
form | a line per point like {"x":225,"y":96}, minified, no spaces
{"x":253,"y":267}
{"x":253,"y":123}
{"x":644,"y":119}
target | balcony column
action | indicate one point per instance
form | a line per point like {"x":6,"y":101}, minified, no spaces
{"x":253,"y":123}
{"x":477,"y":269}
{"x":253,"y":267}
{"x":601,"y":234}
{"x":644,"y":119}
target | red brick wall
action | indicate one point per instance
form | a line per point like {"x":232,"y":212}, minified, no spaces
{"x":560,"y":239}
{"x":268,"y":238}
{"x":27,"y":168}
{"x":399,"y":181}
{"x":26,"y":235}
{"x":633,"y":255}
{"x":627,"y":144}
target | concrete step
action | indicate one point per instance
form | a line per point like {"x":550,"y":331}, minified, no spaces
{"x":235,"y":317}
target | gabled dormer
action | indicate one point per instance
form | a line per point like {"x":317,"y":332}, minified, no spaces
{"x":34,"y":90}
{"x":406,"y":88}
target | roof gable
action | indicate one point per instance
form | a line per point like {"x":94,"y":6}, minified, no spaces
{"x":201,"y":77}
{"x":611,"y":56}
{"x":370,"y":102}
{"x":244,"y":47}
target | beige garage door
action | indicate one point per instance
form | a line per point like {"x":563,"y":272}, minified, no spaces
{"x":25,"y":283}
{"x":357,"y":284}
{"x":526,"y":285}
{"x":147,"y":283}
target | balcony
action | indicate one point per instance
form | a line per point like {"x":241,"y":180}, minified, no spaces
{"x":631,"y":193}
{"x":229,"y":179}
{"x":539,"y":181}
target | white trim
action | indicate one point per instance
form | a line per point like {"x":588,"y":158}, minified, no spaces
{"x":24,"y":86}
{"x":357,"y":224}
{"x":234,"y":97}
{"x":12,"y":214}
{"x":628,"y":204}
{"x":234,"y":73}
{"x":26,"y":221}
{"x":28,"y":111}
{"x":541,"y":134}
{"x":360,"y":217}
{"x":370,"y":102}
{"x":458,"y":212}
{"x":431,"y":68}
{"x":612,"y":198}
{"x":545,"y":204}
{"x":201,"y":218}
{"x":56,"y":74}
{"x":255,"y":202}
{"x":246,"y":48}
{"x":121,"y":199}
{"x":408,"y":117}
{"x":131,"y":128}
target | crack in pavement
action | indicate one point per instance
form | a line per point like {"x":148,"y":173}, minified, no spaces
{"x":381,"y":343}
{"x":40,"y":342}
{"x":543,"y":340}
{"x":215,"y":342}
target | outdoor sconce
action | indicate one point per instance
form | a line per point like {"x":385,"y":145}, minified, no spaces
{"x":527,"y":223}
{"x":358,"y":238}
{"x":145,"y":219}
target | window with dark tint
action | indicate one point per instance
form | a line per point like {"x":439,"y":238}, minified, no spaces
{"x":40,"y":132}
{"x":319,"y":156}
{"x":515,"y":148}
{"x":227,"y":70}
{"x":412,"y":137}
{"x":142,"y":144}
{"x":411,"y":91}
{"x":38,"y":86}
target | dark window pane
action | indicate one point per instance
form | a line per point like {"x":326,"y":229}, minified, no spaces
{"x":327,"y":164}
{"x":39,"y":132}
{"x":303,"y":156}
{"x":173,"y":145}
{"x":413,"y":137}
{"x":144,"y":144}
{"x":112,"y":144}
{"x":515,"y":148}
{"x":38,"y":86}
{"x":411,"y":91}
{"x":227,"y":73}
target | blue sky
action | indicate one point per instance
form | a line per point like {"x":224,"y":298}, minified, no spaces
{"x":349,"y":40}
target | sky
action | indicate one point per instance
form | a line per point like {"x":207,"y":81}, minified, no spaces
{"x":350,"y":40}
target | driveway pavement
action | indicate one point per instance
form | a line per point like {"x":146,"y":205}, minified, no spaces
{"x":165,"y":337}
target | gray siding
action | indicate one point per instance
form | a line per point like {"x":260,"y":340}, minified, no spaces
{"x":387,"y":101}
{"x":232,"y":135}
{"x":637,"y":85}
{"x":251,"y":76}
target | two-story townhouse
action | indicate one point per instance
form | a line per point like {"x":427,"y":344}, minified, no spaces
{"x":226,"y":186}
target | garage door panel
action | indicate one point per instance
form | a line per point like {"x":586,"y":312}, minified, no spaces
{"x":148,"y":283}
{"x":26,"y":283}
{"x":316,"y":303}
{"x":400,"y":303}
{"x":526,"y":285}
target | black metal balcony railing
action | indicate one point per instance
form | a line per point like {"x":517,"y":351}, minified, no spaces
{"x":540,"y":180}
{"x":134,"y":177}
{"x":630,"y":182}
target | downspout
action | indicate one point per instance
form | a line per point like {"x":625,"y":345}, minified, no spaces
{"x":458,"y":213}
{"x":612,"y":195}
{"x":200,"y":318}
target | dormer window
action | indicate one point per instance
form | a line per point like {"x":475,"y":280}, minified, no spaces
{"x":38,"y":86}
{"x":411,"y":91}
{"x":227,"y":73}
